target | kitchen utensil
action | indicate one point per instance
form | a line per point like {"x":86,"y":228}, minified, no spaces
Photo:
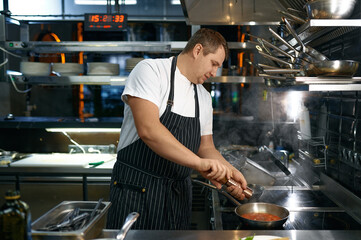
{"x":335,"y":68}
{"x":303,"y":14}
{"x":293,"y":17}
{"x":268,"y":44}
{"x":295,"y":60}
{"x":128,"y":223}
{"x":231,"y":182}
{"x":256,"y":207}
{"x":56,"y":215}
{"x":265,"y":66}
{"x":95,"y":210}
{"x":305,"y":57}
{"x":99,"y":163}
{"x":317,"y":56}
{"x":284,"y":63}
{"x":334,"y":9}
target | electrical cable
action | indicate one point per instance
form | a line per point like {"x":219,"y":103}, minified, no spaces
{"x":3,"y":63}
{"x":16,"y":88}
{"x":71,"y":140}
{"x":15,"y":55}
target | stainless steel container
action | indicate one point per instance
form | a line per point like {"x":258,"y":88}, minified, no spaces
{"x":91,"y":230}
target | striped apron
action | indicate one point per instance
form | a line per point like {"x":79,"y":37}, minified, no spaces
{"x":158,"y":189}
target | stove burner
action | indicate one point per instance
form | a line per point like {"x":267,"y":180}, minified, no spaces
{"x":328,"y":221}
{"x":298,"y":220}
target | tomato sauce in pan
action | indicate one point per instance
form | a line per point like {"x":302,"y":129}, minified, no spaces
{"x":265,"y":217}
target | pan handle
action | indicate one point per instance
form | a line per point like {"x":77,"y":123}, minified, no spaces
{"x":276,"y":59}
{"x":282,"y":40}
{"x":294,"y":34}
{"x":222,"y":190}
{"x":293,"y":17}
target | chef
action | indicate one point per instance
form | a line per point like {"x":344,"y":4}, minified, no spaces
{"x":166,"y":134}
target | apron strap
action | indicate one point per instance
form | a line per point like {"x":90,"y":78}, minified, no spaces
{"x":171,"y":92}
{"x":196,"y":100}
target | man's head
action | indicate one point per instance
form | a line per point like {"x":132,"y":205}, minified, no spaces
{"x":206,"y":50}
{"x":210,"y":40}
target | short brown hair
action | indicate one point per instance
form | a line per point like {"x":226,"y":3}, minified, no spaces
{"x":210,"y":39}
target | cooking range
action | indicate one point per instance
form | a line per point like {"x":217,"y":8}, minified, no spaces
{"x":309,"y":210}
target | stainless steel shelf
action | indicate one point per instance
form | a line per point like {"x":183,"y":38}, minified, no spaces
{"x":236,"y":79}
{"x":89,"y":46}
{"x":334,"y":23}
{"x":310,"y":83}
{"x":116,"y":80}
{"x":109,"y":46}
{"x":330,"y":84}
{"x":72,"y":80}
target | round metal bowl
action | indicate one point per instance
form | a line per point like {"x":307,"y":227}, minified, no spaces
{"x":335,"y":68}
{"x":330,"y":9}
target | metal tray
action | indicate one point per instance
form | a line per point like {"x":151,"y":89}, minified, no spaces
{"x":91,"y":230}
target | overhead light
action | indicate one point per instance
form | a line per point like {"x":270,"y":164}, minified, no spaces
{"x":103,"y":2}
{"x":175,"y":2}
{"x":84,"y":130}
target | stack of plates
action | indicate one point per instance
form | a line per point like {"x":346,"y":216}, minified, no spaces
{"x":67,"y":69}
{"x":103,"y":69}
{"x":35,"y":68}
{"x":131,"y":62}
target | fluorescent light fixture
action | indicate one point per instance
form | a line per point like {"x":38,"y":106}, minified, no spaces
{"x":175,"y":2}
{"x":103,"y":2}
{"x":84,"y":130}
{"x":13,"y":73}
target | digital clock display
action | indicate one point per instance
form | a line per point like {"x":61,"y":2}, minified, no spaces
{"x":105,"y":22}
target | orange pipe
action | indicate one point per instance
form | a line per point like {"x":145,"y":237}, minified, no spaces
{"x":62,"y":55}
{"x":81,"y":86}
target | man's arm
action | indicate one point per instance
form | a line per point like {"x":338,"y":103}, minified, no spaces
{"x":162,"y":142}
{"x":208,"y":150}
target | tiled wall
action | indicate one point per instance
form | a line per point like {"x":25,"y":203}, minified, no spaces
{"x":337,"y":117}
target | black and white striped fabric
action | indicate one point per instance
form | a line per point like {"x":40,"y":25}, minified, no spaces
{"x":158,"y":189}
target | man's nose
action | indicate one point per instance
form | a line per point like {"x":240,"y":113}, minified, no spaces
{"x":214,"y":71}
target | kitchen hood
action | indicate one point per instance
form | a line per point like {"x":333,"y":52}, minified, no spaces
{"x":232,"y":12}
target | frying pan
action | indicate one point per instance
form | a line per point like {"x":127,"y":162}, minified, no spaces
{"x":335,"y":68}
{"x":255,"y":207}
{"x":334,"y":9}
{"x":129,"y":221}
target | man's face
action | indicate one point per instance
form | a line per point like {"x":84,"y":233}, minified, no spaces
{"x":206,"y":66}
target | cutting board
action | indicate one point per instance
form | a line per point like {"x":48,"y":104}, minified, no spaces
{"x":61,"y":160}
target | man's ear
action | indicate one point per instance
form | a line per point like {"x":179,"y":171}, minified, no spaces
{"x":197,"y":50}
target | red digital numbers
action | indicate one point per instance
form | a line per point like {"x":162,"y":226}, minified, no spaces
{"x":94,"y":18}
{"x":119,"y":18}
{"x":110,"y":22}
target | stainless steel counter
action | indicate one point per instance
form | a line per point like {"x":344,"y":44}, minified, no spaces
{"x":235,"y":235}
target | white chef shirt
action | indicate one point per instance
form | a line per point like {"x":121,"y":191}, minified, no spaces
{"x":150,"y":80}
